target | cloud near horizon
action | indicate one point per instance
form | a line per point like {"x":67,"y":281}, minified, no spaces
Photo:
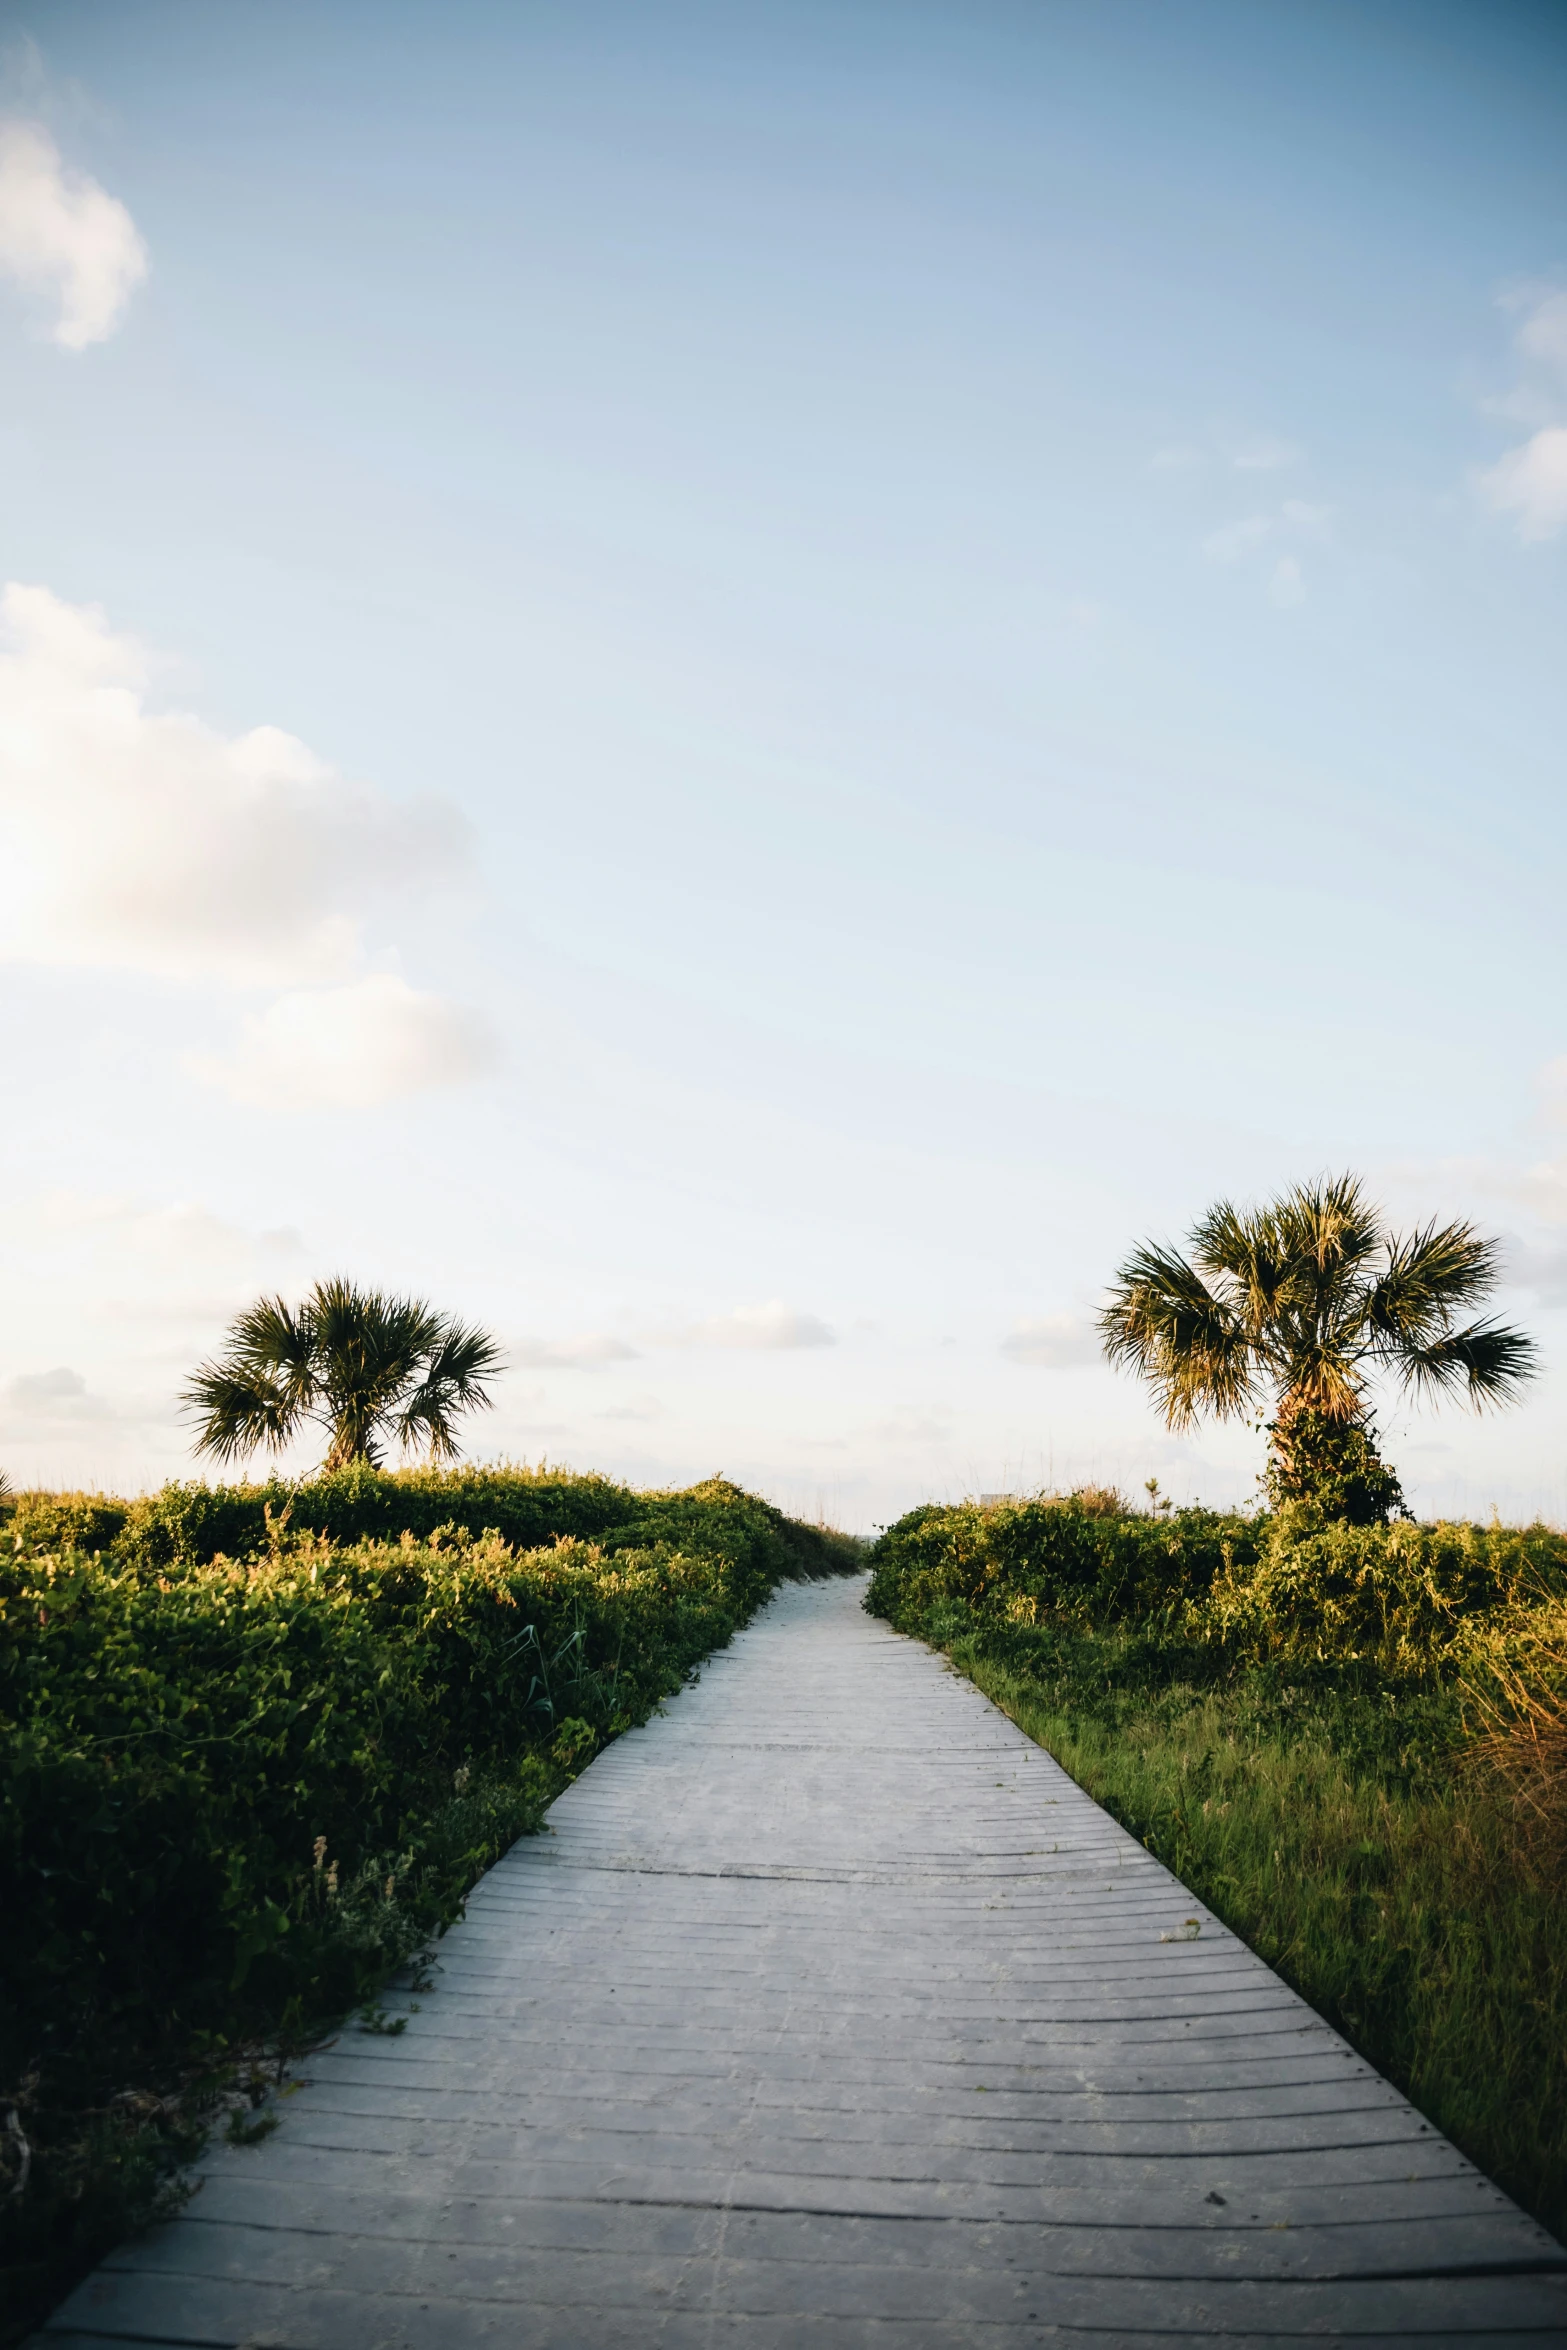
{"x":144,"y":840}
{"x":58,"y":1395}
{"x":774,"y":1325}
{"x":63,"y":239}
{"x":1054,"y":1342}
{"x":590,"y":1351}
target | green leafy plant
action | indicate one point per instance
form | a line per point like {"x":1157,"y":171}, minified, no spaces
{"x":1351,"y":1741}
{"x":255,"y":1748}
{"x":362,"y":1365}
{"x":1299,"y":1306}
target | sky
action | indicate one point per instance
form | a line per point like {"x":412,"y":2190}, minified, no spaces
{"x":738,"y":688}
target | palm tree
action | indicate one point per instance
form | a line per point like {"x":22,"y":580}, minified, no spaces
{"x":1302,"y":1304}
{"x":359,"y":1363}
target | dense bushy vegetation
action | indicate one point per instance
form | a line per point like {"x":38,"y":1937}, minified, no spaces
{"x":1351,"y":1741}
{"x":257,"y":1746}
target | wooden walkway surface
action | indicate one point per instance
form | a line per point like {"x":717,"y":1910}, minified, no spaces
{"x":831,"y":2012}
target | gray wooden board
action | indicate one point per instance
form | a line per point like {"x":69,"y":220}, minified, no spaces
{"x":830,"y":2010}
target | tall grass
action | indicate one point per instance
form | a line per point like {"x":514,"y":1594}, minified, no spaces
{"x":1363,"y":1780}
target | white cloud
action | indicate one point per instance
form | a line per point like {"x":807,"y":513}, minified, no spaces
{"x":1530,"y":483}
{"x":60,"y":1394}
{"x":772,"y":1325}
{"x":64,"y":239}
{"x":143,"y":840}
{"x":1057,"y":1342}
{"x":147,"y":841}
{"x":1543,"y":334}
{"x":349,"y":1047}
{"x":588,"y":1352}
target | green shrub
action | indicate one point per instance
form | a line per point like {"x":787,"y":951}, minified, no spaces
{"x":1409,"y":1599}
{"x":65,"y":1521}
{"x":1401,"y":1598}
{"x":1348,"y":1740}
{"x":242,"y":1783}
{"x":187,"y":1525}
{"x":1060,"y":1556}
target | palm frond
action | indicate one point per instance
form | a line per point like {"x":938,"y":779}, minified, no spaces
{"x":367,"y":1349}
{"x":454,"y":1381}
{"x":1329,"y":1224}
{"x":1246,"y":1249}
{"x":270,"y":1343}
{"x":1428,"y":1278}
{"x":1485,"y":1364}
{"x":1164,"y":1322}
{"x":235,"y":1412}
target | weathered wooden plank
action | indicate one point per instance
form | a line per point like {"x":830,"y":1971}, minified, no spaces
{"x":831,"y":2009}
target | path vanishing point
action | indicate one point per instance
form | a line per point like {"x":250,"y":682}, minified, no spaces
{"x":831,"y":2012}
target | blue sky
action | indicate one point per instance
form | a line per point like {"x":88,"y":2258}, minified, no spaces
{"x":739,"y":687}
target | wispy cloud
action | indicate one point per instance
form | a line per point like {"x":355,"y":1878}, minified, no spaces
{"x":1235,"y":539}
{"x":61,"y":1394}
{"x":1266,"y":454}
{"x":1279,"y":531}
{"x":774,"y":1325}
{"x":1528,"y":483}
{"x":169,"y":1271}
{"x":1287,"y":585}
{"x":1261,"y":452}
{"x":589,"y":1351}
{"x":1053,"y":1342}
{"x":64,"y":240}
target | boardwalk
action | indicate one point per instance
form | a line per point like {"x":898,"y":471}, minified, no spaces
{"x":833,"y":2013}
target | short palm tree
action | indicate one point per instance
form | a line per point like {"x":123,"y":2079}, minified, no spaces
{"x":362,"y":1365}
{"x":1302,"y":1304}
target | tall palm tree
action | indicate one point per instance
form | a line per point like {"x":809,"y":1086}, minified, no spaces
{"x":361,"y":1364}
{"x":1302,"y":1304}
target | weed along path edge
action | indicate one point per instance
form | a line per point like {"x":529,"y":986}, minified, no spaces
{"x":832,"y":2010}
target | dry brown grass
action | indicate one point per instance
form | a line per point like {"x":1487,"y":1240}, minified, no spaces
{"x":1523,"y":1750}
